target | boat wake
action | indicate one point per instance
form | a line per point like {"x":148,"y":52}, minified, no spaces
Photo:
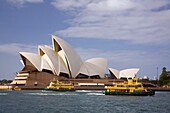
{"x":50,"y":94}
{"x":42,"y":94}
{"x":87,"y":91}
{"x":46,"y":91}
{"x":1,"y":94}
{"x":95,"y":94}
{"x":90,"y":92}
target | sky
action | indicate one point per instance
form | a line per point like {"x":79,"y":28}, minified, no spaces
{"x":129,"y":33}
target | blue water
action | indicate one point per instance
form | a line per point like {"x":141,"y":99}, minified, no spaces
{"x":81,"y":102}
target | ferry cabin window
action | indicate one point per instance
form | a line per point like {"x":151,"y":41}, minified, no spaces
{"x":131,"y":86}
{"x":54,"y":85}
{"x":120,"y":86}
{"x":139,"y":85}
{"x":118,"y":90}
{"x":134,"y":80}
{"x":138,"y":80}
{"x":139,"y":91}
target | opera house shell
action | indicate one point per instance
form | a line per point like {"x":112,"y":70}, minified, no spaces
{"x":61,"y":60}
{"x":126,"y":73}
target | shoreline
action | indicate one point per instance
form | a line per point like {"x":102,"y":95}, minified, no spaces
{"x":5,"y":87}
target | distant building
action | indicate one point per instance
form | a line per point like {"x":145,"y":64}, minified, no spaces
{"x":145,"y":77}
{"x":168,"y":73}
{"x":155,"y":78}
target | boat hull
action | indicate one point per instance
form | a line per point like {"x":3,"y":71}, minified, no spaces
{"x":149,"y":93}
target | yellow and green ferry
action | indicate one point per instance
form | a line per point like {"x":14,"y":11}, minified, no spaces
{"x":60,"y":86}
{"x":131,"y":87}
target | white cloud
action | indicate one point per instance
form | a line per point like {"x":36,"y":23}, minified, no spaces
{"x":109,"y":5}
{"x":69,"y":4}
{"x":20,"y":3}
{"x":15,"y":48}
{"x":137,"y":21}
{"x":93,"y":4}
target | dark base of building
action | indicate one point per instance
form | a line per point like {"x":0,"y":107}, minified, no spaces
{"x":40,"y":80}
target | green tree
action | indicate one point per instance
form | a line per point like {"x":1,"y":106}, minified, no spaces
{"x":163,"y":77}
{"x":4,"y":81}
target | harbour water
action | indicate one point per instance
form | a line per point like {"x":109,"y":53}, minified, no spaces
{"x":81,"y":102}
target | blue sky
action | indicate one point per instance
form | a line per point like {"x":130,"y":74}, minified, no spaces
{"x":129,"y":33}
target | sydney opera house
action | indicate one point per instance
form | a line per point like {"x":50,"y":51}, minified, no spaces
{"x":62,"y":62}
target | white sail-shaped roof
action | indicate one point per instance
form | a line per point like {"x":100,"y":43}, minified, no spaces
{"x":33,"y":58}
{"x":53,"y":59}
{"x":89,"y":69}
{"x":63,"y":61}
{"x":127,"y":73}
{"x":22,"y":62}
{"x":50,"y":57}
{"x":115,"y":72}
{"x":44,"y":63}
{"x":94,"y":66}
{"x":63,"y":68}
{"x":71,"y":58}
{"x":100,"y":63}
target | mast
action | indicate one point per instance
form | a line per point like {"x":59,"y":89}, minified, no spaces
{"x":157,"y":73}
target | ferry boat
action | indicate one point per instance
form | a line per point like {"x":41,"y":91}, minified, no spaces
{"x":131,"y":87}
{"x":60,"y":86}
